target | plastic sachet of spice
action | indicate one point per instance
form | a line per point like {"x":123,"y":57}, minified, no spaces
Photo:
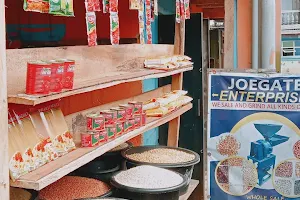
{"x":114,"y":28}
{"x":91,"y":28}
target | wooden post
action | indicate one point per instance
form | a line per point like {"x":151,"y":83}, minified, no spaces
{"x":4,"y":173}
{"x":177,"y":81}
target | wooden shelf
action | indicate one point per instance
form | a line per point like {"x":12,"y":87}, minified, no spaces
{"x":96,"y":68}
{"x":142,"y":74}
{"x":193,"y":185}
{"x":55,"y":170}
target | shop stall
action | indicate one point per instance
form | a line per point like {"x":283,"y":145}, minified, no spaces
{"x":48,"y":152}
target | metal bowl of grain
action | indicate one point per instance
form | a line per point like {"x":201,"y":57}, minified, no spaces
{"x":177,"y":159}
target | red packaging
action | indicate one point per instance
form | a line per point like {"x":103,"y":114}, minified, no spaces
{"x":131,"y":124}
{"x":121,"y":113}
{"x":125,"y":126}
{"x":102,"y":136}
{"x":138,"y":107}
{"x":128,"y":109}
{"x":68,"y":75}
{"x":120,"y":128}
{"x":57,"y":72}
{"x":110,"y":116}
{"x":137,"y":121}
{"x":89,"y":139}
{"x":38,"y":77}
{"x":144,"y":116}
{"x":113,"y":6}
{"x":111,"y":130}
{"x":95,"y":122}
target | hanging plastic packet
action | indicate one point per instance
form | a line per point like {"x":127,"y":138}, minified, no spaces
{"x":155,"y":7}
{"x":41,"y":6}
{"x":141,"y":21}
{"x":92,"y":5}
{"x":134,"y":4}
{"x":91,"y":28}
{"x":105,"y":6}
{"x":178,"y":11}
{"x":57,"y":7}
{"x":69,"y":8}
{"x":148,"y":22}
{"x":114,"y":28}
{"x":182,"y":10}
{"x":187,"y":9}
{"x":113,"y":6}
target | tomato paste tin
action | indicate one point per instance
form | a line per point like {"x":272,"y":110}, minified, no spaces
{"x":121,"y":113}
{"x":111,"y":130}
{"x":137,"y":121}
{"x":68,"y":75}
{"x":57,"y":72}
{"x":128,"y":109}
{"x":131,"y":124}
{"x":89,"y":139}
{"x":38,"y":77}
{"x":138,"y":107}
{"x":144,"y":116}
{"x":102,"y":136}
{"x":120,"y":128}
{"x":110,"y":116}
{"x":95,"y":122}
{"x":125,"y":126}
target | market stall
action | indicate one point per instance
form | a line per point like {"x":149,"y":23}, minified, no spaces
{"x":46,"y":151}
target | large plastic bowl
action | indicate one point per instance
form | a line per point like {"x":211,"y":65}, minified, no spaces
{"x":172,"y":193}
{"x":186,"y":169}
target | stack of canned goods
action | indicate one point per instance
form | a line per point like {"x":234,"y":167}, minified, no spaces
{"x":109,"y":124}
{"x":48,"y":76}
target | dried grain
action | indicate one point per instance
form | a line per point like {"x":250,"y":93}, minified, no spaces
{"x":19,"y":194}
{"x":222,"y":174}
{"x":235,"y":161}
{"x":162,"y":156}
{"x":225,"y":187}
{"x":120,"y":147}
{"x":284,"y":170}
{"x":297,"y":187}
{"x":297,"y":169}
{"x":228,"y":146}
{"x":296,"y":149}
{"x":72,"y":187}
{"x":284,"y":187}
{"x":148,"y":177}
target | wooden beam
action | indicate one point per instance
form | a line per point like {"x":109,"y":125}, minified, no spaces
{"x":229,"y":34}
{"x":177,"y":81}
{"x":4,"y":173}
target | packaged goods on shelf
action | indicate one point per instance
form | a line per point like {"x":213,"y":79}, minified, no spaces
{"x":161,"y":106}
{"x":168,"y":63}
{"x":48,"y":76}
{"x":37,"y":135}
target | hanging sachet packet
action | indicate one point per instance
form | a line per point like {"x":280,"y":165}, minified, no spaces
{"x":114,"y":28}
{"x":91,"y":28}
{"x":41,"y":6}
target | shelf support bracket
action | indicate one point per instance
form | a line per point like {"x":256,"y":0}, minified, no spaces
{"x":177,"y":81}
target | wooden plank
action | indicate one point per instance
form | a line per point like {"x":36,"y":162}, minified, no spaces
{"x":177,"y":81}
{"x":71,"y":119}
{"x":55,"y":170}
{"x":4,"y":172}
{"x":92,"y":64}
{"x":91,"y":85}
{"x":193,"y":185}
{"x":229,"y":34}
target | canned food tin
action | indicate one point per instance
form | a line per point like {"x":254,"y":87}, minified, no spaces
{"x":68,"y":76}
{"x":38,"y":77}
{"x":111,"y":130}
{"x":110,"y":116}
{"x":102,"y":136}
{"x":121,"y":113}
{"x":137,"y":121}
{"x":89,"y":139}
{"x":144,"y":116}
{"x":57,"y":71}
{"x":128,"y":109}
{"x":138,"y":107}
{"x":125,"y":126}
{"x":120,"y":128}
{"x":131,"y":124}
{"x":95,"y":122}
